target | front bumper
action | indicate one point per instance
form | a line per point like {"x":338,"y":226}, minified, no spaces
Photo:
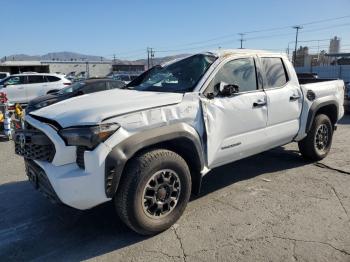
{"x":78,"y":188}
{"x":39,"y":180}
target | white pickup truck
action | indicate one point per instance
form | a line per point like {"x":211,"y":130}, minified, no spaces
{"x":147,"y":147}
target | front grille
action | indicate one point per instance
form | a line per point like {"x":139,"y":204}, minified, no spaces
{"x":31,"y":143}
{"x":80,"y":156}
{"x":38,"y":178}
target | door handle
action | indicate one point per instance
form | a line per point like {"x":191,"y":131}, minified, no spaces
{"x":294,"y":97}
{"x":259,"y":103}
{"x":21,"y":88}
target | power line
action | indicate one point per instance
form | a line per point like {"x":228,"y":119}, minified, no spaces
{"x":258,"y":31}
{"x":228,"y":36}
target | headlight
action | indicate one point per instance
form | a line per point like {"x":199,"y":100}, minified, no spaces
{"x":89,"y":136}
{"x":44,"y":104}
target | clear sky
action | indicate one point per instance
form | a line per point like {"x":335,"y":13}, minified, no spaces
{"x":126,"y":28}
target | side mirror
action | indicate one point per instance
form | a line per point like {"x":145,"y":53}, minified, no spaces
{"x":227,"y":90}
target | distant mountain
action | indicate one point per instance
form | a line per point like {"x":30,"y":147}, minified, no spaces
{"x":58,"y":56}
{"x":70,"y":56}
{"x":66,"y":56}
{"x":160,"y":60}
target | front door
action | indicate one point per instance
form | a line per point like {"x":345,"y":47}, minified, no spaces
{"x":235,"y":125}
{"x":14,"y":88}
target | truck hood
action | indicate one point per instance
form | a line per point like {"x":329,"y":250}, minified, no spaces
{"x":94,"y":108}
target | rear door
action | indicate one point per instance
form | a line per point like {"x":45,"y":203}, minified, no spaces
{"x":36,"y":86}
{"x":284,"y":100}
{"x":235,"y":125}
{"x":15,"y":89}
{"x":54,"y":83}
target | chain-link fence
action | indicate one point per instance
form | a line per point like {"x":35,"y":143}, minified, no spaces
{"x":337,"y":71}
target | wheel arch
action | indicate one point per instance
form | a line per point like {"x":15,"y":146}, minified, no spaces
{"x":181,"y":138}
{"x":330,"y":108}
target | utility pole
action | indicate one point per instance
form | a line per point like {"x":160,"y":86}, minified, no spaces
{"x":150,"y":57}
{"x":297,"y":27}
{"x":241,"y":40}
{"x":87,"y":69}
{"x":114,"y":59}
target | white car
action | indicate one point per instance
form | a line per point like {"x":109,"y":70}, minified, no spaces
{"x":21,"y":88}
{"x":4,"y":75}
{"x":148,"y":148}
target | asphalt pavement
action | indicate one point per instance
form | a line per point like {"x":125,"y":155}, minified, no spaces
{"x":274,"y":206}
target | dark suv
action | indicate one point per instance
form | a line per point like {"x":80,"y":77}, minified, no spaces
{"x":79,"y":88}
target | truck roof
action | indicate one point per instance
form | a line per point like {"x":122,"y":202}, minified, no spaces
{"x":223,"y":53}
{"x":227,"y":52}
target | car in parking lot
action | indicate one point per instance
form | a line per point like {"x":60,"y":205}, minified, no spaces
{"x":79,"y":88}
{"x":347,"y":97}
{"x":4,"y":75}
{"x":125,"y":77}
{"x":21,"y":88}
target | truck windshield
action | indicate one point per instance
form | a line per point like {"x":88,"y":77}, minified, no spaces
{"x":178,"y":77}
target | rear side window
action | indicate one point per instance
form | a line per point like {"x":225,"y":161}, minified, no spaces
{"x":276,"y":75}
{"x":2,"y":76}
{"x":36,"y":79}
{"x":94,"y":87}
{"x":115,"y":84}
{"x":53,"y":78}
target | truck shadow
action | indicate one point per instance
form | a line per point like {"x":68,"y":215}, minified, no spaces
{"x":31,"y":228}
{"x":271,"y":161}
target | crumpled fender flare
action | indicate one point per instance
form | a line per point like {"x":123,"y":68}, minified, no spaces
{"x":121,"y":153}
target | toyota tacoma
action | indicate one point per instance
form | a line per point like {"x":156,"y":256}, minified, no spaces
{"x":147,"y":146}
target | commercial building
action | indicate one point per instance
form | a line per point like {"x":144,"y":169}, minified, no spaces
{"x":334,"y":45}
{"x":72,"y":68}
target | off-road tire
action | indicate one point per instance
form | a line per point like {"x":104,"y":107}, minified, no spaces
{"x":130,"y":194}
{"x":308,"y":146}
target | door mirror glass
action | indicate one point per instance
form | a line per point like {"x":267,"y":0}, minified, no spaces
{"x":226,"y":90}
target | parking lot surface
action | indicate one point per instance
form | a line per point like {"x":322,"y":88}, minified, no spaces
{"x":271,"y":207}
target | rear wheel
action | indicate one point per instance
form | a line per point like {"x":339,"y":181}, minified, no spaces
{"x":317,"y":143}
{"x":154,"y":191}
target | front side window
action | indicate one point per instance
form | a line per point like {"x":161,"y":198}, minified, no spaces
{"x":178,"y":77}
{"x":276,"y":75}
{"x":240,"y":72}
{"x":14,"y":80}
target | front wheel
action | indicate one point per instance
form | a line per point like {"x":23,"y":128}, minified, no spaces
{"x":154,"y":191}
{"x":316,"y":145}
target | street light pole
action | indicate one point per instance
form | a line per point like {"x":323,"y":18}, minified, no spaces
{"x":296,"y":42}
{"x":241,"y":40}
